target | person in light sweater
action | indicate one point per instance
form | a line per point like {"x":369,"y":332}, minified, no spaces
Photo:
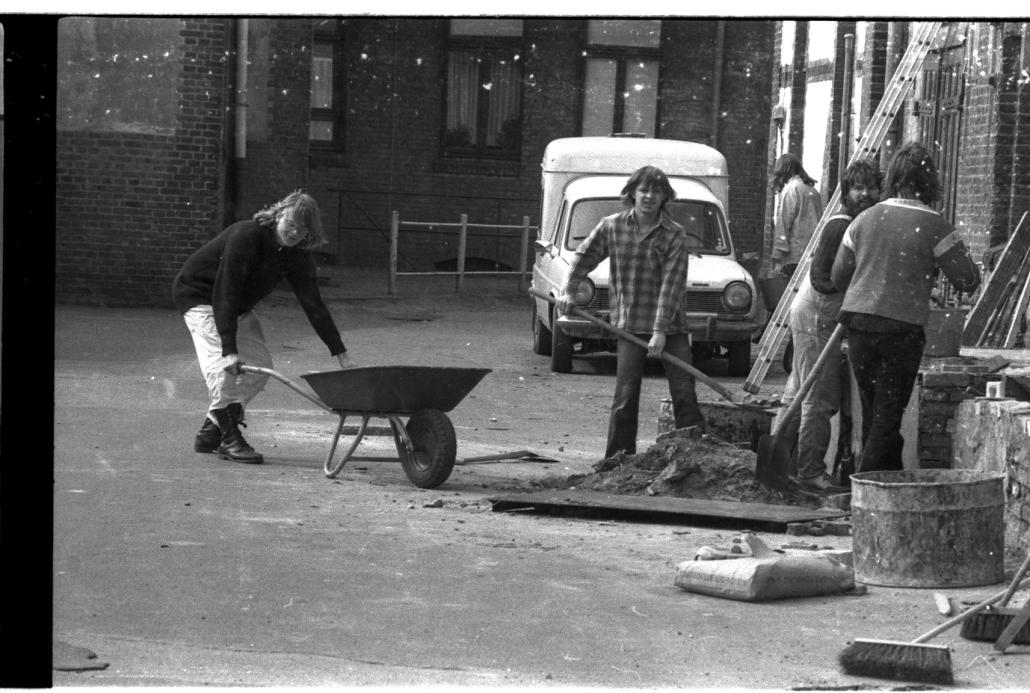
{"x":798,"y":210}
{"x":886,"y":266}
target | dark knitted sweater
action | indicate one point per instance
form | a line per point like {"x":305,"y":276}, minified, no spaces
{"x":242,"y":265}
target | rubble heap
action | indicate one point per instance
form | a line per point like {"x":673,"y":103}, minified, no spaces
{"x":685,"y":464}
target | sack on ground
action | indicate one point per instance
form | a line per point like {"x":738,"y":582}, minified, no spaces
{"x":767,"y":576}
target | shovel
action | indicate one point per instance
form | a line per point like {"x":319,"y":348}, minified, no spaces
{"x":774,"y":451}
{"x":667,"y":357}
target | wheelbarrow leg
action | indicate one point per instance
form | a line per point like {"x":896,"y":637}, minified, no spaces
{"x":331,"y":469}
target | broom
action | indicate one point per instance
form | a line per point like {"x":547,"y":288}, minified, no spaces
{"x":989,"y":624}
{"x":910,"y":661}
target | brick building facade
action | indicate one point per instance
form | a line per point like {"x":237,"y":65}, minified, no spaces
{"x":142,"y":184}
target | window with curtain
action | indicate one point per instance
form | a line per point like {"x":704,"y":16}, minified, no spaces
{"x":484,"y":89}
{"x":327,"y":84}
{"x":620,"y":91}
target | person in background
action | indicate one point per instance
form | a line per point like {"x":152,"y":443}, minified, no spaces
{"x":217,"y":289}
{"x":812,"y":319}
{"x":648,"y":259}
{"x":798,"y":210}
{"x":886,"y":266}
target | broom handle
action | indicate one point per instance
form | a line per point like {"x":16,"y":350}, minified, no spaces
{"x":1018,"y":576}
{"x":955,"y":620}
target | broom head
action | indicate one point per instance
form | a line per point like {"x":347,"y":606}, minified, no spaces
{"x":900,"y":661}
{"x":989,"y":624}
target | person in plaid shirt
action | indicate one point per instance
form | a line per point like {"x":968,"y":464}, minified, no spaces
{"x":648,"y":259}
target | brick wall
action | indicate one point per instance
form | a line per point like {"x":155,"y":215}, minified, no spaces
{"x":277,"y":163}
{"x":391,"y":158}
{"x":131,"y":206}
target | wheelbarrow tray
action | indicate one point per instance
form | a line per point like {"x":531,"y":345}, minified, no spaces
{"x":401,"y":390}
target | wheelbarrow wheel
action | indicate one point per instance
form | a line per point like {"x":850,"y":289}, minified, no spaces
{"x":433,"y":448}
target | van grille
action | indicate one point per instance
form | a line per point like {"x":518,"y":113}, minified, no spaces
{"x":698,"y":301}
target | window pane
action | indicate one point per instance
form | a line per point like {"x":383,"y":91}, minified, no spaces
{"x":599,"y":97}
{"x":638,"y":33}
{"x":486,"y":27}
{"x":641,"y":96}
{"x":322,"y":76}
{"x":462,"y":99}
{"x":503,"y":127}
{"x":321,"y":131}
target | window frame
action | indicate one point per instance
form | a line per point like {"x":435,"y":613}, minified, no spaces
{"x":488,"y":46}
{"x":335,"y":114}
{"x":621,"y":55}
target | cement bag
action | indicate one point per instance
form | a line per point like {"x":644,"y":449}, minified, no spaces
{"x":766,"y":576}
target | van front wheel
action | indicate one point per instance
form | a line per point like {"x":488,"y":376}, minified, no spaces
{"x":541,"y":336}
{"x":739,"y":355}
{"x":561,"y":350}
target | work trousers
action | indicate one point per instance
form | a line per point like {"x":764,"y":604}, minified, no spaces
{"x":631,"y":359}
{"x":224,"y":388}
{"x":885,"y":366}
{"x":811,"y":324}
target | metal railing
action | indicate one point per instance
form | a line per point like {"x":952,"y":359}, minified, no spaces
{"x":461,"y":228}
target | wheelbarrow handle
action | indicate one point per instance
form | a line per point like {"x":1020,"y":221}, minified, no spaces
{"x":287,"y":382}
{"x":669,"y":358}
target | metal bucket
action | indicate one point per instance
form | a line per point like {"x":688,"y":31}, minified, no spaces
{"x":928,"y":527}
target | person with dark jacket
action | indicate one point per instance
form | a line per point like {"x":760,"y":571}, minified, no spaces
{"x":217,"y":289}
{"x":812,"y":319}
{"x":886,"y":267}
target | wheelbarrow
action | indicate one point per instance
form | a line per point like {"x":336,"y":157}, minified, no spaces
{"x":426,"y":446}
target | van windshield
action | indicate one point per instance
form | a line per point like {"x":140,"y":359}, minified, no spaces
{"x":705,"y":234}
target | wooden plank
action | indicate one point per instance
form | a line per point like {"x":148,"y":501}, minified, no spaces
{"x":1008,"y":263}
{"x":1021,"y":305}
{"x":664,"y":509}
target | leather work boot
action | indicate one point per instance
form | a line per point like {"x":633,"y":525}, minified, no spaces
{"x":233,"y":446}
{"x":208,"y":437}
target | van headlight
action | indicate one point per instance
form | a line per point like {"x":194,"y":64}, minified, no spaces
{"x":585,"y":292}
{"x":737,"y":296}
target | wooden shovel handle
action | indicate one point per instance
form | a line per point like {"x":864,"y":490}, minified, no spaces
{"x":667,"y":357}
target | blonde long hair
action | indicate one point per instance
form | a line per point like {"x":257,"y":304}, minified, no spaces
{"x":305,"y":213}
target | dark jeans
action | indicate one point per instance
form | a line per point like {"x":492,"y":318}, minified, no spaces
{"x":622,"y":425}
{"x":885,"y":366}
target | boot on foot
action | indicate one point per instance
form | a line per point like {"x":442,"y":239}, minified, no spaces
{"x":233,"y":446}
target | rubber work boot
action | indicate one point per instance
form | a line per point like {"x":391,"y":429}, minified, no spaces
{"x":233,"y":446}
{"x":208,"y":437}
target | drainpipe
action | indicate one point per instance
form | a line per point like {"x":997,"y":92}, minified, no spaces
{"x":240,"y":108}
{"x":845,"y":106}
{"x":720,"y":54}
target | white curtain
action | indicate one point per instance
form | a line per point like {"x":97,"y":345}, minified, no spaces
{"x":462,"y":92}
{"x":504,"y":98}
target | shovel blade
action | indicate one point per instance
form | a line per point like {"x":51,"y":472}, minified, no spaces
{"x":772,"y":467}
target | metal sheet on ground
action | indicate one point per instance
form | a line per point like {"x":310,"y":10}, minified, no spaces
{"x":696,"y":511}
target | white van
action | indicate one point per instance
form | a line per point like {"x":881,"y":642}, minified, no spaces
{"x":581,"y":181}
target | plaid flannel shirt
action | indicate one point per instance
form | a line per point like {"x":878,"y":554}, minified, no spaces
{"x":648,"y":275}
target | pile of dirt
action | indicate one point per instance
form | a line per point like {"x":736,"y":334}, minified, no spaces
{"x":684,"y":464}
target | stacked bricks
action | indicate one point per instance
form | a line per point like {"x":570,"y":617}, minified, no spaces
{"x":943,"y":384}
{"x":994,"y":436}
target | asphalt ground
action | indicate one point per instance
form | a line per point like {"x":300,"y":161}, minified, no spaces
{"x":177,"y":569}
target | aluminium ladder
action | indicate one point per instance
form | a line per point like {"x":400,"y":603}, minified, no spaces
{"x":872,"y":138}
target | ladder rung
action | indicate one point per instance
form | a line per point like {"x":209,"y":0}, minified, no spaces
{"x":870,"y":141}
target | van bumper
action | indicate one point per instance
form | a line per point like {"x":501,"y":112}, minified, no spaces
{"x":708,"y":329}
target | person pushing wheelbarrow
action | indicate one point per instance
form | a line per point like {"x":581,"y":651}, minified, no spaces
{"x":217,"y":289}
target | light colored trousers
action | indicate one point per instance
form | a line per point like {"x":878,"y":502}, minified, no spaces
{"x":225,"y":388}
{"x":812,"y":320}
